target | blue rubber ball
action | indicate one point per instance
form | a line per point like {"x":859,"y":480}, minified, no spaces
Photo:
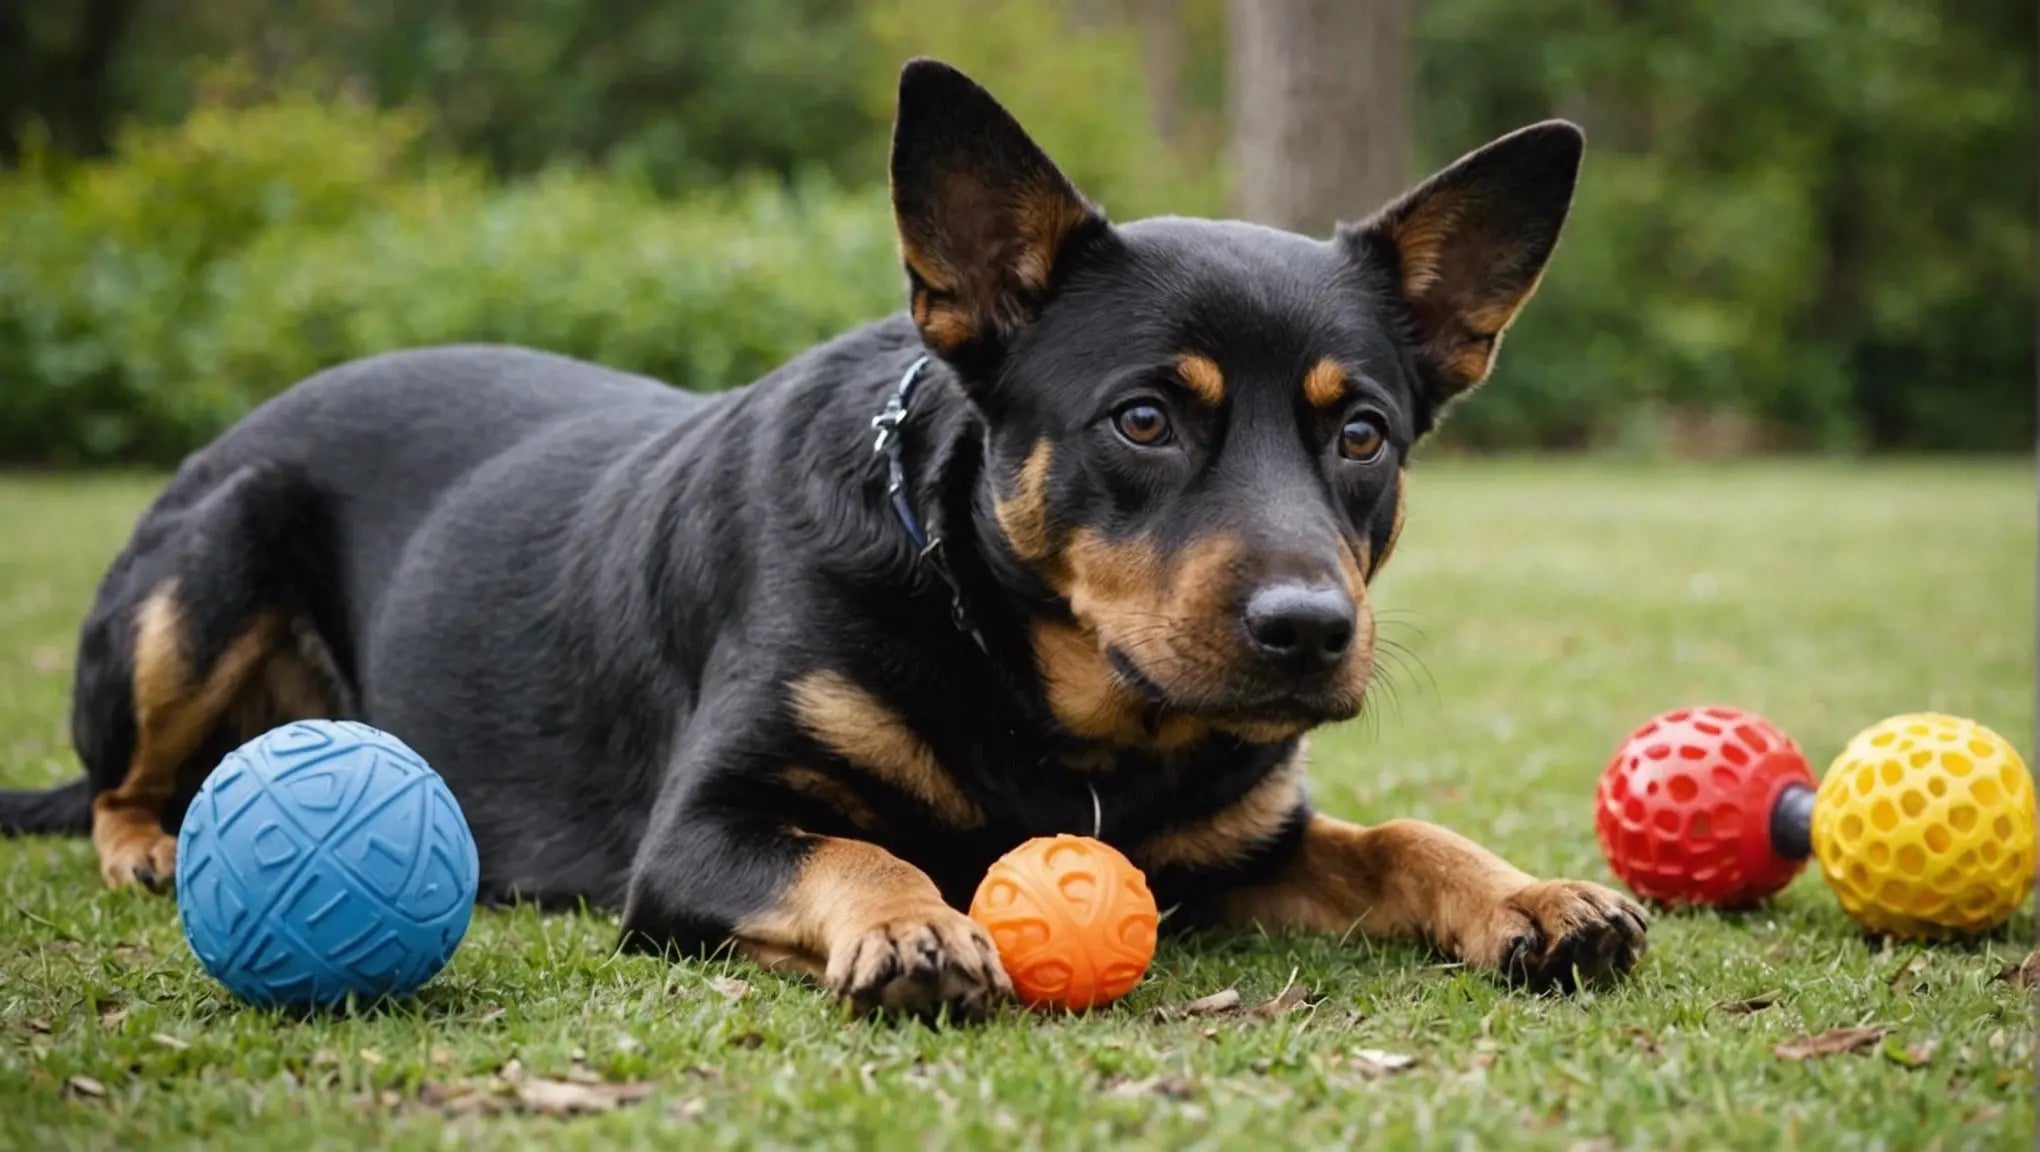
{"x":320,"y":859}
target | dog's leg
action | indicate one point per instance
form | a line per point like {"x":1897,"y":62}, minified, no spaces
{"x":175,"y":706}
{"x":1410,"y":879}
{"x":870,"y":927}
{"x":199,"y":638}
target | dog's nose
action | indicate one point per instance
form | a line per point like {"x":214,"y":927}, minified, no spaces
{"x":1303,"y":627}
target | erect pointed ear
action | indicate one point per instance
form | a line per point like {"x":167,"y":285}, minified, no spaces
{"x":1467,"y":246}
{"x":983,"y":216}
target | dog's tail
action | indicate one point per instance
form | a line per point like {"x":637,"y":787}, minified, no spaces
{"x":63,"y":810}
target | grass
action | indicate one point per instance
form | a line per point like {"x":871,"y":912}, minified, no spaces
{"x":1550,"y":608}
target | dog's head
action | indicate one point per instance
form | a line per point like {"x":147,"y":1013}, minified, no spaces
{"x":1198,"y":428}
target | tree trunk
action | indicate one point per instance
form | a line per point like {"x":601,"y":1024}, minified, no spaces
{"x":1319,"y":94}
{"x":1165,"y":48}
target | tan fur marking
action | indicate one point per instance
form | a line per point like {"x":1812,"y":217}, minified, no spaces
{"x":1024,"y":518}
{"x":1405,"y":878}
{"x":1466,"y":365}
{"x":937,"y":276}
{"x":1172,"y":620}
{"x":1089,"y":701}
{"x":1420,"y":237}
{"x":1402,"y":493}
{"x":986,"y":249}
{"x":1358,"y":668}
{"x":859,"y":918}
{"x":173,"y":713}
{"x":1226,"y":837}
{"x":945,"y":328}
{"x":1324,"y":386}
{"x":845,"y":887}
{"x":831,"y":792}
{"x":857,"y":726}
{"x":1415,"y":880}
{"x":1201,"y":375}
{"x":1045,"y":218}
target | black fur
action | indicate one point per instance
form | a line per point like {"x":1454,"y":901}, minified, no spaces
{"x":582,"y":594}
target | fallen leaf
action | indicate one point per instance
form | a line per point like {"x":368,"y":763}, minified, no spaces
{"x":461,"y":1099}
{"x":441,"y":1057}
{"x":2024,"y":974}
{"x":1215,"y":1004}
{"x":1985,"y":1114}
{"x":1911,"y":964}
{"x":1910,"y":1056}
{"x":730,"y":987}
{"x":1208,"y":1033}
{"x":35,"y":1024}
{"x":512,"y":1071}
{"x":86,"y":1086}
{"x":1285,"y":1002}
{"x":370,"y":1057}
{"x":1642,"y":1040}
{"x":748,"y":1040}
{"x":491,"y":1014}
{"x":1373,"y":1063}
{"x":1749,"y":1004}
{"x":1173,"y":1087}
{"x":111,"y":1017}
{"x":582,"y":1074}
{"x":170,"y":1042}
{"x":692,"y":1109}
{"x":1829,"y":1043}
{"x":561,"y":1098}
{"x":325,"y":1058}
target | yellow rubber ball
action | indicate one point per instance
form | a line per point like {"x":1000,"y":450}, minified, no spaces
{"x":1924,"y":827}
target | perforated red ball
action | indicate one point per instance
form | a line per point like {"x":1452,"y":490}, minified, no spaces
{"x":1684,"y":807}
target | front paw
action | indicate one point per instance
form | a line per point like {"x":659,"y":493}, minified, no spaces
{"x":1563,"y":933}
{"x":147,"y":860}
{"x":919,"y":964}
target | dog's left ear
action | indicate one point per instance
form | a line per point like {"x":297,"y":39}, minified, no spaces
{"x":984,"y":216}
{"x":1467,"y":246}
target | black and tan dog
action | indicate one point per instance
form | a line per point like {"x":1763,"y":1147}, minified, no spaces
{"x":719,"y":661}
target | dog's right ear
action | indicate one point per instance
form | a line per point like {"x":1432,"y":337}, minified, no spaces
{"x":984,"y":217}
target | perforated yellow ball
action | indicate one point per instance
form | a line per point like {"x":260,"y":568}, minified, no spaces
{"x":1924,"y":827}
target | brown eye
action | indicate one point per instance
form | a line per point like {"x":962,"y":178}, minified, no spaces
{"x":1143,"y":424}
{"x":1361,"y":439}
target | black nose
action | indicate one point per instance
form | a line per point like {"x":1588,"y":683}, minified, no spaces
{"x":1303,"y":627}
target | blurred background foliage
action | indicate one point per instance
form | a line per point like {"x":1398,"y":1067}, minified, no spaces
{"x":1804,"y":225}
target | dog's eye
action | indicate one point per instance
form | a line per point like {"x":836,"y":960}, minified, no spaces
{"x":1362,"y":439}
{"x":1143,"y":424}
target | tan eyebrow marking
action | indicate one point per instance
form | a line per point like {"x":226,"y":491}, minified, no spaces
{"x":1202,"y":376}
{"x":1325,"y":384}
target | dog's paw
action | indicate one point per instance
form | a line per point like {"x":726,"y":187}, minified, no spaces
{"x":150,"y":861}
{"x":1562,"y":933}
{"x":919,"y":965}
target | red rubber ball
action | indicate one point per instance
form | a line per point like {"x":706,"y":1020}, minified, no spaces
{"x":1683,"y":810}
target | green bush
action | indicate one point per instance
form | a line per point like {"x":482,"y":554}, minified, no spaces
{"x":147,"y":302}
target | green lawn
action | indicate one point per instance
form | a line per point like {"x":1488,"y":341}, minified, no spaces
{"x":1548,"y":608}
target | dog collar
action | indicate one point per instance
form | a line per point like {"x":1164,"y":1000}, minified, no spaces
{"x":928,"y":551}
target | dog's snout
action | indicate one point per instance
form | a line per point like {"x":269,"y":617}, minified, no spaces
{"x":1305,"y":628}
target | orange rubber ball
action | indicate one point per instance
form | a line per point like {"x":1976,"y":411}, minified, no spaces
{"x":1073,"y":920}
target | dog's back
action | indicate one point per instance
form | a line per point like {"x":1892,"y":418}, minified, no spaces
{"x":250,"y":589}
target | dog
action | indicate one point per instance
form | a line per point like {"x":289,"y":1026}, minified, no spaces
{"x":1079,"y":542}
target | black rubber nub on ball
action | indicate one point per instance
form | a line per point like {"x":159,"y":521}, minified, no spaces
{"x":1792,"y":822}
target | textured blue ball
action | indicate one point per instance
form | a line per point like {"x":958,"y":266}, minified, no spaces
{"x":324,"y":858}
